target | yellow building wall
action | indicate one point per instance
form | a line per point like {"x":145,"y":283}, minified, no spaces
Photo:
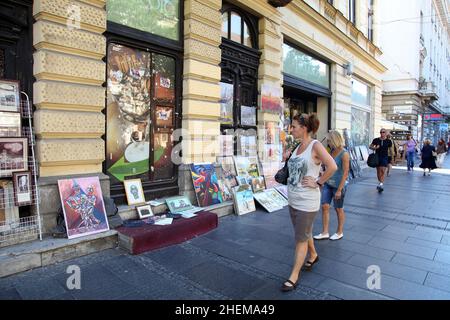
{"x":68,"y":93}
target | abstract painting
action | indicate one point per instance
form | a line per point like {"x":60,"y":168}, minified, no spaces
{"x":83,"y":207}
{"x":206,"y":185}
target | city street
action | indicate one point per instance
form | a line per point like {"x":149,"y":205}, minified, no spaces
{"x":405,"y":232}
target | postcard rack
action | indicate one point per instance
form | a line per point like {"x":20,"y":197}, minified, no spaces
{"x":21,"y":221}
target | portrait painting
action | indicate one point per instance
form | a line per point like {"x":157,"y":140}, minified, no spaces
{"x":134,"y":191}
{"x":22,"y":188}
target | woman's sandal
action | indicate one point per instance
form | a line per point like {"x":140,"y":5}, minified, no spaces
{"x":309,"y":264}
{"x":285,"y":288}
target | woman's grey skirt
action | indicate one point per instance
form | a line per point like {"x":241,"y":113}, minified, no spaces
{"x":303,"y":223}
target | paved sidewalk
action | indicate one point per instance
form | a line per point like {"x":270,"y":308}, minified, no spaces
{"x":405,"y":231}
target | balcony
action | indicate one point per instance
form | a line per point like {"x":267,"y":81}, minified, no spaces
{"x":428,"y":90}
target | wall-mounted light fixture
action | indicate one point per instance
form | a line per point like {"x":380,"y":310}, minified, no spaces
{"x":348,"y":67}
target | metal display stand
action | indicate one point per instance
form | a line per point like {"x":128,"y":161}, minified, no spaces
{"x":16,"y":229}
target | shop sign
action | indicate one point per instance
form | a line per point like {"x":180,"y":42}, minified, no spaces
{"x":433,"y":117}
{"x":403,"y":109}
{"x":443,"y":127}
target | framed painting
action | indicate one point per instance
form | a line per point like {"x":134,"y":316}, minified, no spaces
{"x":206,"y":185}
{"x":248,"y":116}
{"x":10,"y":124}
{"x":83,"y":206}
{"x":179,"y":204}
{"x":144,"y":211}
{"x":243,"y":199}
{"x":13,"y":155}
{"x":23,"y":193}
{"x":258,"y":184}
{"x":277,"y":197}
{"x":271,"y":99}
{"x":164,"y":116}
{"x":226,"y":103}
{"x":227,"y":171}
{"x":225,"y":190}
{"x":134,"y":191}
{"x":267,"y":202}
{"x":9,"y":95}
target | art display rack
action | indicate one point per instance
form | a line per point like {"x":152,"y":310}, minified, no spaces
{"x":16,"y":229}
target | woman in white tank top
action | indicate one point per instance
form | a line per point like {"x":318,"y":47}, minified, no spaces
{"x":304,"y":191}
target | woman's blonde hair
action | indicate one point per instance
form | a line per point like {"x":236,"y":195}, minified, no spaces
{"x":335,"y":139}
{"x":427,"y":141}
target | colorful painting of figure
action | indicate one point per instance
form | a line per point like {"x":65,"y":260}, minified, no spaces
{"x":206,"y":185}
{"x":83,"y":207}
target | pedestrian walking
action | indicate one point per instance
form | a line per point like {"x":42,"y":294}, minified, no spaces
{"x":304,"y":191}
{"x":392,"y":151}
{"x":441,"y":151}
{"x":410,"y":147}
{"x":335,"y":188}
{"x":381,"y":146}
{"x":428,"y":155}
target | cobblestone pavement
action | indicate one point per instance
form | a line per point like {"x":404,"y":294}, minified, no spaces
{"x":405,"y":232}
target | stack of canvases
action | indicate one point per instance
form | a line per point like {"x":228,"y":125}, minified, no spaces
{"x":16,"y":188}
{"x":238,"y":179}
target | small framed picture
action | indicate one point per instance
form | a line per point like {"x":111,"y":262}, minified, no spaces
{"x":134,"y":191}
{"x":164,"y":116}
{"x":22,"y":188}
{"x":144,"y":211}
{"x":9,"y":95}
{"x":13,"y":155}
{"x":10,"y":124}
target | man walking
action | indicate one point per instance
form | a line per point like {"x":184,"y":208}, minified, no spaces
{"x":381,"y":146}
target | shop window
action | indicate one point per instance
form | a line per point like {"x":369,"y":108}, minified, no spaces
{"x":361,"y":111}
{"x":159,"y":17}
{"x":303,"y":66}
{"x":360,"y":93}
{"x":140,"y":114}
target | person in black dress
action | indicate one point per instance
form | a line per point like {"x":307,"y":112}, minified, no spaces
{"x":428,"y":159}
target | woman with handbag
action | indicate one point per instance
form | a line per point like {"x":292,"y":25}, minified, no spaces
{"x":428,"y":156}
{"x":304,"y":191}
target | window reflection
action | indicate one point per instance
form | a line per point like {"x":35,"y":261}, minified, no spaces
{"x":247,"y":39}
{"x":225,"y":25}
{"x":236,"y":23}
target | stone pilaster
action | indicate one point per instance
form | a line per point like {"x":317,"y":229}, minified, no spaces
{"x":201,"y":77}
{"x":270,"y":70}
{"x":68,"y":95}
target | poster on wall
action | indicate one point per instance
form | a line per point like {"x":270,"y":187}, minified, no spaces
{"x":248,"y":116}
{"x":128,"y":111}
{"x":206,"y":185}
{"x":162,"y":149}
{"x":83,"y":207}
{"x":226,"y":103}
{"x":164,"y":116}
{"x":271,"y":99}
{"x":360,"y":133}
